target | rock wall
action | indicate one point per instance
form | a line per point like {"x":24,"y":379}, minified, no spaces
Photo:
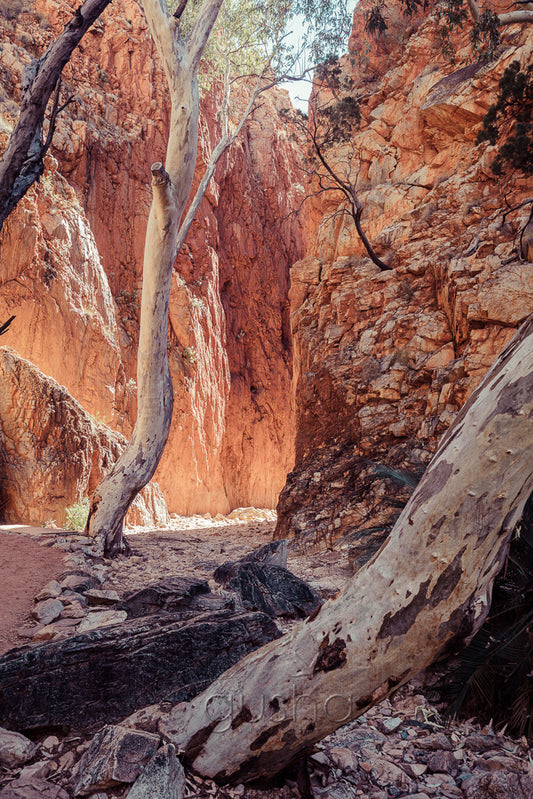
{"x":385,"y":360}
{"x":53,"y":452}
{"x":71,"y":262}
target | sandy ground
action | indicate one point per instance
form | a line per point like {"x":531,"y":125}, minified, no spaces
{"x":26,"y":567}
{"x":185,"y":550}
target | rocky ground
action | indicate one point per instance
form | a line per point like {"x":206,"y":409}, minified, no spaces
{"x":401,"y":748}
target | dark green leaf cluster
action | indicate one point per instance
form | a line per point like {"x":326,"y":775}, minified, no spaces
{"x":410,"y":7}
{"x":485,"y":35}
{"x":452,"y":12}
{"x":340,"y":119}
{"x":493,"y":677}
{"x":451,"y":15}
{"x":327,"y":26}
{"x":375,"y":23}
{"x":510,"y":118}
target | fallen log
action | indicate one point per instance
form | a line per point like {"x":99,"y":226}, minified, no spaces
{"x":103,"y":675}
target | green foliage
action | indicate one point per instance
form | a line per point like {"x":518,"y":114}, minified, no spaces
{"x":327,"y":26}
{"x":338,"y":118}
{"x":485,"y":35}
{"x":76,"y":515}
{"x":451,"y":15}
{"x":494,"y":675}
{"x":251,"y":35}
{"x":375,"y":23}
{"x":510,"y":119}
{"x":341,"y":118}
{"x":375,"y":17}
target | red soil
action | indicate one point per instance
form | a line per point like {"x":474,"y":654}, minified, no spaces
{"x":26,"y":567}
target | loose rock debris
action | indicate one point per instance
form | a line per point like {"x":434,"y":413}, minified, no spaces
{"x":401,"y":748}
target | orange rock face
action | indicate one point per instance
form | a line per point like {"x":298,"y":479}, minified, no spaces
{"x":385,"y":360}
{"x":71,"y":264}
{"x":53,"y":452}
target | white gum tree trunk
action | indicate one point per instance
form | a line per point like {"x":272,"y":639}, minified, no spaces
{"x":424,"y":594}
{"x":171,"y":187}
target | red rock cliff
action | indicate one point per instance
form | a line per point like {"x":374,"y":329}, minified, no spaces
{"x":71,"y":262}
{"x":384,"y":360}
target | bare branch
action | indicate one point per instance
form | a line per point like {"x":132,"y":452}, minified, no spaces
{"x":21,"y":163}
{"x":226,"y":141}
{"x":515,"y":16}
{"x":180,"y":9}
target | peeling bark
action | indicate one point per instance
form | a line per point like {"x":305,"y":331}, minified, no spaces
{"x":424,"y":594}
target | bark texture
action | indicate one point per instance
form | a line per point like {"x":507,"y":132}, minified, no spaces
{"x":171,"y":187}
{"x":22,"y":162}
{"x":423,"y":595}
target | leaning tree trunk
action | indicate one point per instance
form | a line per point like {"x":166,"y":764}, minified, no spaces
{"x":423,"y":595}
{"x":139,"y":460}
{"x":22,"y":163}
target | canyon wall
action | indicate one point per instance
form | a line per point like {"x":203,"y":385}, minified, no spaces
{"x":71,"y":261}
{"x":358,"y":371}
{"x":384,"y":360}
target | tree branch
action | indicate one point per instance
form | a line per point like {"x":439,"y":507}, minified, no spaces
{"x":226,"y":141}
{"x":515,"y":16}
{"x":202,"y":27}
{"x":163,"y":28}
{"x":355,"y":208}
{"x":13,"y":182}
{"x":474,"y":10}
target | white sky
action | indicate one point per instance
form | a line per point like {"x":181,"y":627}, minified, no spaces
{"x":300,"y":90}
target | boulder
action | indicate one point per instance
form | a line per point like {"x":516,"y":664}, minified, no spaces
{"x":163,"y":777}
{"x":269,"y":589}
{"x":167,"y":595}
{"x":15,"y":749}
{"x":116,"y":755}
{"x":104,"y":674}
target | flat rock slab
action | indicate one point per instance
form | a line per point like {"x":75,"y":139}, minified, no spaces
{"x":167,"y":595}
{"x":269,"y":589}
{"x":105,"y":674}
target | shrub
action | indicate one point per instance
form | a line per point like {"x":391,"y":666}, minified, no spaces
{"x":76,"y":515}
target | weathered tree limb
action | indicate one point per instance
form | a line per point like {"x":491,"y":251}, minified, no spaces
{"x":510,"y":18}
{"x":423,"y":595}
{"x":22,"y":162}
{"x":172,"y":185}
{"x":104,"y":675}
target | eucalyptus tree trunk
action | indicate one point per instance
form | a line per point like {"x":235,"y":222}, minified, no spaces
{"x":171,"y":187}
{"x":423,"y":595}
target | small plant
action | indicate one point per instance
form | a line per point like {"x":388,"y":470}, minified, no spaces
{"x":510,"y":121}
{"x":189,"y":354}
{"x":76,"y":515}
